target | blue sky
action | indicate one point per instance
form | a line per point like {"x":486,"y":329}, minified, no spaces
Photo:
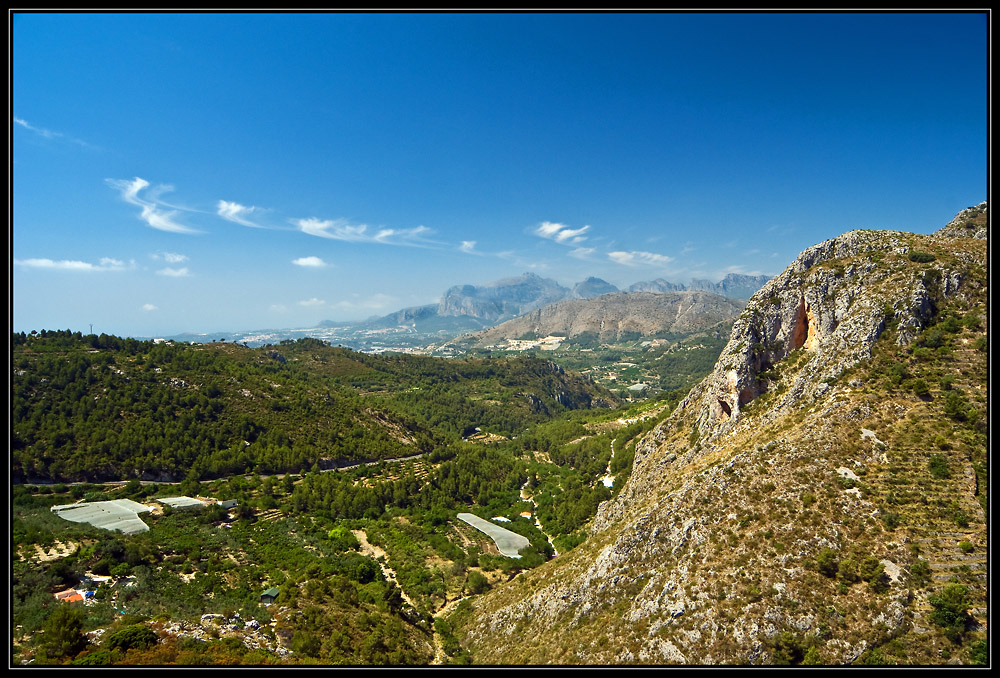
{"x":211,"y":172}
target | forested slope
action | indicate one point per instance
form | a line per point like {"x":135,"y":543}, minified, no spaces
{"x":99,"y":407}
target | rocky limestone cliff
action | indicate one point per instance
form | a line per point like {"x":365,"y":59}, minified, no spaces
{"x":831,"y":305}
{"x":799,"y":446}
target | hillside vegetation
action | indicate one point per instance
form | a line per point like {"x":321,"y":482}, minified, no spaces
{"x":365,"y":558}
{"x":104,"y":408}
{"x":820,"y":498}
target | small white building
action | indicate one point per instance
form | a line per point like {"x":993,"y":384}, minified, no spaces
{"x":182,"y":502}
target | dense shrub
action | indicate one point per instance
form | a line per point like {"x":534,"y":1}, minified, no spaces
{"x":136,"y":636}
{"x":827,"y":562}
{"x":951,"y":610}
{"x":938,"y":466}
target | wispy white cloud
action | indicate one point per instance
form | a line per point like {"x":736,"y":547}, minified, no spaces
{"x":169,"y":257}
{"x":582,"y":253}
{"x":237,"y":213}
{"x":398,"y":235}
{"x":468,"y":246}
{"x":309,"y":262}
{"x":561,"y":233}
{"x":342,"y":229}
{"x":153,"y":212}
{"x":639,"y":258}
{"x":105,"y":264}
{"x":174,"y":272}
{"x":312,"y":302}
{"x":149,"y":307}
{"x":49,"y":134}
{"x":40,"y":131}
{"x":336,"y":229}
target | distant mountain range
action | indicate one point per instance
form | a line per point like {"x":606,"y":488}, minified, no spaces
{"x":612,"y":316}
{"x":734,"y":286}
{"x":473,"y":307}
{"x":465,"y":309}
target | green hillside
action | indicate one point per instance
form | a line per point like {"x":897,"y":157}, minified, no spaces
{"x":103,"y":408}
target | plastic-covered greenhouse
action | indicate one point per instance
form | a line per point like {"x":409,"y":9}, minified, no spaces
{"x":117,"y":514}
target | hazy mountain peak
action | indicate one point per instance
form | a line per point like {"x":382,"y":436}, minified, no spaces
{"x":592,"y":287}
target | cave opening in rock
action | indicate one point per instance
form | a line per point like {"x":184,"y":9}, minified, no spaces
{"x":800,"y":330}
{"x":725,"y":411}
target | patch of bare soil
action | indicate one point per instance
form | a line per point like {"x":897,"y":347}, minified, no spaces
{"x":57,"y":551}
{"x":375,"y":552}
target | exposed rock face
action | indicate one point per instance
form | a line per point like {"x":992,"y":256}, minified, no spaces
{"x":832,"y":304}
{"x":971,"y":222}
{"x":704,"y":556}
{"x":612,"y":315}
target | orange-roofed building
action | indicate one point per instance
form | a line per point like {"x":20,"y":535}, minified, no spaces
{"x":69,"y":596}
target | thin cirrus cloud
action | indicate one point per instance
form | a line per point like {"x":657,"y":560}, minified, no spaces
{"x":468,"y":246}
{"x":561,"y":233}
{"x":342,"y":229}
{"x":309,"y":262}
{"x":49,"y":134}
{"x":639,"y":258}
{"x":153,"y":212}
{"x":237,"y":213}
{"x":105,"y":264}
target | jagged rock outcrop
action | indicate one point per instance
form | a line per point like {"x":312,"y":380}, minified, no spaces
{"x":708,"y":553}
{"x":830,"y":305}
{"x":612,"y":316}
{"x":969,"y":223}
